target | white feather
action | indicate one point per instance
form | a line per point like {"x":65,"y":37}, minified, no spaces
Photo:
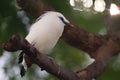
{"x":45,"y":33}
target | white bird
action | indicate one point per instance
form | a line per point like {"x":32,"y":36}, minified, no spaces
{"x":45,"y":33}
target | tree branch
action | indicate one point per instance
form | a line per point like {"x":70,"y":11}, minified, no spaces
{"x":83,"y":40}
{"x":34,"y":7}
{"x":102,"y":48}
{"x":108,"y":16}
{"x":16,"y":43}
{"x":104,"y":54}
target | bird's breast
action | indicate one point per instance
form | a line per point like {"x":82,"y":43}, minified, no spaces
{"x":44,"y":38}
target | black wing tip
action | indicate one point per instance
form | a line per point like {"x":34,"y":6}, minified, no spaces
{"x":20,"y":57}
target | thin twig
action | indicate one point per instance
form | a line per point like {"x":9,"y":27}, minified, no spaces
{"x":108,"y":16}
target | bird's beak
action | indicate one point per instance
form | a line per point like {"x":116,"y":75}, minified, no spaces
{"x":70,"y":24}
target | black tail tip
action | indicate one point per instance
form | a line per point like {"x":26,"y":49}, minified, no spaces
{"x":22,"y":71}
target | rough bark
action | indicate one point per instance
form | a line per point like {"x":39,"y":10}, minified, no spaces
{"x":45,"y":63}
{"x":102,"y":48}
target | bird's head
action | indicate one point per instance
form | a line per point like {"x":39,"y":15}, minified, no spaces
{"x":63,"y":19}
{"x":54,"y":17}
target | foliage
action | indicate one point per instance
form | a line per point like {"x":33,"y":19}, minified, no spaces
{"x":14,"y":21}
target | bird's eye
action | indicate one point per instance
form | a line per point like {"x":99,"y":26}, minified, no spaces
{"x":62,"y":19}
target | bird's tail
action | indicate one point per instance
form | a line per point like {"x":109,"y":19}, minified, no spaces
{"x":26,"y":63}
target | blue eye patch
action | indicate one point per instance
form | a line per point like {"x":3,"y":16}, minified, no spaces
{"x":62,"y":19}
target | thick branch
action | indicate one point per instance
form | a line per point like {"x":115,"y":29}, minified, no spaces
{"x":83,"y":40}
{"x":44,"y":62}
{"x":105,"y":53}
{"x":34,"y":7}
{"x":73,"y":35}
